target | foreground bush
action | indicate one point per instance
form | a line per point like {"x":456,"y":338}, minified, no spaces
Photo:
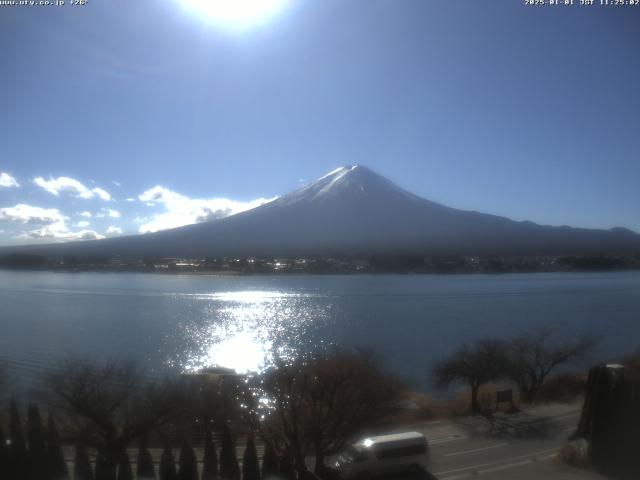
{"x":210,"y":460}
{"x":229,"y":468}
{"x":250,"y":464}
{"x":55,"y":456}
{"x":188,"y":463}
{"x":168,"y":465}
{"x":270,"y":463}
{"x":82,"y":465}
{"x":37,"y":452}
{"x":124,"y":467}
{"x":145,"y":469}
{"x":565,"y":387}
{"x":17,"y":451}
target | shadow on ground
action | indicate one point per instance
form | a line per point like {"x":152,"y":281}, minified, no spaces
{"x":503,"y":425}
{"x":421,"y":475}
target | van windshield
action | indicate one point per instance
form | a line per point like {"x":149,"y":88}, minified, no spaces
{"x":354,"y":455}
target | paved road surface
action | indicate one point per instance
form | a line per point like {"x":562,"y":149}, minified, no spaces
{"x":519,"y":446}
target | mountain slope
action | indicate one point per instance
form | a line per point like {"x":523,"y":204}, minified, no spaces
{"x":353,"y":210}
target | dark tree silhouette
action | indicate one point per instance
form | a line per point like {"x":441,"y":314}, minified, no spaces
{"x":229,"y":468}
{"x":210,"y":461}
{"x":17,"y":461}
{"x":145,"y":469}
{"x":55,"y":455}
{"x":250,"y":464}
{"x":105,"y":470}
{"x":270,"y":463}
{"x":188,"y":463}
{"x":287,"y":469}
{"x":111,"y":405}
{"x":81,"y":464}
{"x":4,"y":454}
{"x":168,"y":465}
{"x":485,"y":361}
{"x":102,"y":471}
{"x":219,"y":398}
{"x":534,"y":356}
{"x":37,"y":448}
{"x":319,"y":402}
{"x":124,"y":467}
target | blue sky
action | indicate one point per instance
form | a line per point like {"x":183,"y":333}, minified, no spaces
{"x":528,"y":112}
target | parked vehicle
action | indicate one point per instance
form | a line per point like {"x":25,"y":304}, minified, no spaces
{"x":384,"y":454}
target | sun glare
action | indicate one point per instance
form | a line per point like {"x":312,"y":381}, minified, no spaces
{"x":243,"y":352}
{"x":235,"y":13}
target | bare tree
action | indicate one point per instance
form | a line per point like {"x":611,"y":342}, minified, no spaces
{"x":109,"y":405}
{"x":486,"y":360}
{"x":534,"y":356}
{"x":315,"y":404}
{"x":215,"y":399}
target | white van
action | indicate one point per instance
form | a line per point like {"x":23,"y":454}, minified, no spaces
{"x":384,"y":454}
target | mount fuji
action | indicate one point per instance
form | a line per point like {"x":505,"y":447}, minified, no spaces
{"x":354,"y":211}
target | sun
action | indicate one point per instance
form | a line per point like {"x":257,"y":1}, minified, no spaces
{"x":235,"y":13}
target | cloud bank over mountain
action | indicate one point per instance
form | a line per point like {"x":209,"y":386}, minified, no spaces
{"x":180,"y":210}
{"x":57,"y":209}
{"x":45,"y":223}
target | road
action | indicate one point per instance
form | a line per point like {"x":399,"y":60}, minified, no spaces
{"x":520,"y":446}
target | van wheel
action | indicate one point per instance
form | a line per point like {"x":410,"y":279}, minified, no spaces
{"x":364,"y":475}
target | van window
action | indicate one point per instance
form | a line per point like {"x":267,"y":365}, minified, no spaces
{"x":357,"y":455}
{"x":397,"y":452}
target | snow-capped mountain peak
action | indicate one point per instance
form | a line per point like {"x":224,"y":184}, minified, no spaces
{"x":346,"y":182}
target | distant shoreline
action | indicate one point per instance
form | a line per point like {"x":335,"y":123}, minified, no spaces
{"x":327,"y":265}
{"x":314,"y":273}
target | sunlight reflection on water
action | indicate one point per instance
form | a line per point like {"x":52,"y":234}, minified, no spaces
{"x":248,"y":330}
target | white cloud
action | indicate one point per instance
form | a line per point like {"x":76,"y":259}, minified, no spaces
{"x":82,"y":224}
{"x":113,"y":230}
{"x":58,"y":231}
{"x":102,"y":194}
{"x":50,"y":221}
{"x":59,"y":185}
{"x":85,"y":214}
{"x":8,"y":181}
{"x":63,"y":184}
{"x":24,"y":213}
{"x":181,"y":210}
{"x":108,"y":212}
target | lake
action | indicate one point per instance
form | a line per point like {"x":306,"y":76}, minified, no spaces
{"x":241,"y":322}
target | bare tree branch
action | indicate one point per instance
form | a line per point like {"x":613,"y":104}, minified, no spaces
{"x":316,"y":404}
{"x":475,"y":365}
{"x":534,"y":356}
{"x":109,"y":405}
